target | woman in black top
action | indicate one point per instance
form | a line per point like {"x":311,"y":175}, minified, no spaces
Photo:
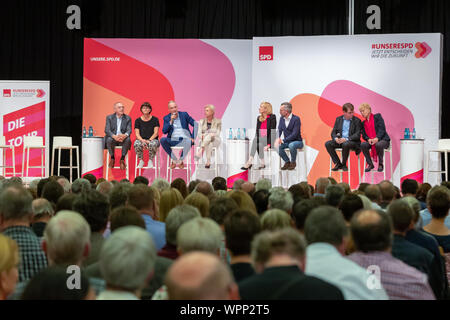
{"x":266,"y":125}
{"x":146,"y":128}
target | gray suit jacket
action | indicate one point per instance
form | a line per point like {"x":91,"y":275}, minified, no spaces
{"x":111,"y":125}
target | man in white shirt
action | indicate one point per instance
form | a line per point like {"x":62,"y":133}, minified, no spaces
{"x":326,"y":232}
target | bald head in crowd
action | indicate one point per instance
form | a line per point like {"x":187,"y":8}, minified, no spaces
{"x":200,"y":276}
{"x":204,"y":188}
{"x":248,"y":187}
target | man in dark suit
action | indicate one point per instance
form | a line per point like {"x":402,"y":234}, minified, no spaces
{"x":289,"y":127}
{"x":118,"y":131}
{"x":346,"y":135}
{"x":279,"y":257}
{"x":176,"y":126}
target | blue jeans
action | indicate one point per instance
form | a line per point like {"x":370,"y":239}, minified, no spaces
{"x":167,"y":143}
{"x":293,"y":146}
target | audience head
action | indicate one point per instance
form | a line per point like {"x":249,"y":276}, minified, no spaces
{"x":126,"y":216}
{"x":40,"y":186}
{"x":221,"y":207}
{"x":438,"y":202}
{"x":261,"y":200}
{"x":141,"y":197}
{"x":446,"y":184}
{"x":119,"y":195}
{"x":141,"y":180}
{"x":200,"y":201}
{"x":263,"y":184}
{"x":301,"y":211}
{"x":181,"y":186}
{"x":65,"y":184}
{"x":300,"y":191}
{"x":373,"y":192}
{"x":170,"y":198}
{"x":409,"y":187}
{"x":362,"y":187}
{"x":199,"y":234}
{"x":334,"y":195}
{"x":192,"y":185}
{"x":32,"y":187}
{"x":326,"y":225}
{"x":161,"y":184}
{"x":345,"y":186}
{"x":104,"y":187}
{"x":423,"y":191}
{"x":371,"y":230}
{"x":219,"y":183}
{"x":65,"y":202}
{"x":243,"y":200}
{"x":281,"y":199}
{"x":415,"y":205}
{"x":401,"y":214}
{"x":367,"y":204}
{"x":387,"y":190}
{"x":200,"y":276}
{"x":176,"y":217}
{"x":42,"y":209}
{"x":274,"y":219}
{"x":321,"y":185}
{"x":94,"y":207}
{"x":332,"y":181}
{"x":80,"y":185}
{"x":127,"y":259}
{"x":66,"y":239}
{"x":91,"y":178}
{"x":204,"y":188}
{"x":124,"y":180}
{"x":238,"y":184}
{"x":350,"y":204}
{"x":248,"y":187}
{"x":52,"y":191}
{"x":15,"y":205}
{"x":9,"y":262}
{"x":241,"y":226}
{"x":51,"y":284}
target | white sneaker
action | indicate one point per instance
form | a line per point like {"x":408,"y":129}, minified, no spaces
{"x":141,"y":164}
{"x":150,"y":164}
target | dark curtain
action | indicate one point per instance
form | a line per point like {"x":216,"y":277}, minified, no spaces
{"x":36,"y":45}
{"x":414,"y":16}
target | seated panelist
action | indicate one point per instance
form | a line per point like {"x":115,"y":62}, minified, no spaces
{"x":209,"y":134}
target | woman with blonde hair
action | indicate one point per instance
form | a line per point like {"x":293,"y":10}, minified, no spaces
{"x":200,"y":201}
{"x":266,"y":125}
{"x":170,"y":198}
{"x":209,"y":133}
{"x":9,"y":261}
{"x":243,"y":200}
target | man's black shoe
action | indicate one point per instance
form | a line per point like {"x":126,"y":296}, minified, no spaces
{"x":344,"y":168}
{"x":369,"y":168}
{"x":380,"y":168}
{"x":337,"y":167}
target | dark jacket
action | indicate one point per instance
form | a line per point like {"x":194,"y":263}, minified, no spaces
{"x":271,"y":127}
{"x":287,"y":283}
{"x":380,"y":129}
{"x":111,"y":125}
{"x":353,"y":134}
{"x":292,"y":132}
{"x":185,"y":120}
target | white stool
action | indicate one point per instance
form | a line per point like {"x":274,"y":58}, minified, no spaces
{"x":216,"y":160}
{"x":302,"y":150}
{"x":156,"y":165}
{"x":32,"y":143}
{"x":443,"y":148}
{"x":186,"y":166}
{"x":65,"y":143}
{"x":388,"y":150}
{"x":6,"y":147}
{"x":349,"y":167}
{"x":115,"y":166}
{"x":267,"y":169}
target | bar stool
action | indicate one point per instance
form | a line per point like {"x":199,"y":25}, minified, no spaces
{"x":349,"y":168}
{"x":115,"y":166}
{"x":156,"y":165}
{"x":302,"y":150}
{"x":65,"y":143}
{"x":29,"y":143}
{"x":6,"y":147}
{"x":186,"y":167}
{"x":443,"y":148}
{"x":266,"y":170}
{"x":216,"y":159}
{"x":388,"y":150}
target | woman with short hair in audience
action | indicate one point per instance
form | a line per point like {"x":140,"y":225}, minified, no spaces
{"x":200,"y":201}
{"x":9,"y":262}
{"x":243,"y":200}
{"x":275,"y":219}
{"x":170,"y":198}
{"x":181,"y":186}
{"x":209,"y":133}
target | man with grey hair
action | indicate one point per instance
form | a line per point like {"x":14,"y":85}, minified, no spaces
{"x":127,"y":262}
{"x":289,"y":136}
{"x":248,"y":187}
{"x":200,"y":276}
{"x":80,"y":185}
{"x":326,"y":233}
{"x":176,"y":217}
{"x":205,"y":188}
{"x":263,"y":184}
{"x":42,"y":212}
{"x":238,"y":184}
{"x":373,"y":192}
{"x":105,"y":187}
{"x":279,"y":259}
{"x":334,"y":195}
{"x":15,"y":219}
{"x":281,"y":199}
{"x":321,"y":185}
{"x":161,"y":184}
{"x":202,"y":234}
{"x":64,"y":183}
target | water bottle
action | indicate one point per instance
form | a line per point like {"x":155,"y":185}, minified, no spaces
{"x":414,"y":133}
{"x":245,"y":133}
{"x":239,"y":134}
{"x":91,"y":131}
{"x":230,"y":135}
{"x":406,"y":136}
{"x":84,"y":132}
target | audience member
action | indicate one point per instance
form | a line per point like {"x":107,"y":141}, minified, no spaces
{"x":181,"y":186}
{"x":387,"y":193}
{"x":105,"y":188}
{"x":281,"y":199}
{"x":301,"y":211}
{"x":409,"y":187}
{"x":248,"y":187}
{"x":126,"y":216}
{"x":161,"y":184}
{"x":243,"y":200}
{"x":40,"y":186}
{"x":42,"y":212}
{"x":334,"y":195}
{"x":321,"y":185}
{"x":192,"y":185}
{"x":299,"y":192}
{"x":261,"y":200}
{"x":238,"y":184}
{"x":119,"y":195}
{"x":219,"y":183}
{"x":350,"y":204}
{"x":422,"y":194}
{"x":79,"y":185}
{"x":346,"y":187}
{"x":274,"y":219}
{"x":200,"y":201}
{"x":65,"y":202}
{"x":374,"y":194}
{"x":220,"y":208}
{"x":170,"y":198}
{"x":64,"y":183}
{"x":141,"y":179}
{"x":92,"y":179}
{"x":52,"y":191}
{"x":263,"y":184}
{"x":362,"y":186}
{"x":9,"y":264}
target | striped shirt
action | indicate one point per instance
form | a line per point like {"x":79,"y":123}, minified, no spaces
{"x":401,"y":281}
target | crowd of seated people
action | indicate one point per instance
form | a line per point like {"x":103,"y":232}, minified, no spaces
{"x":155,"y":240}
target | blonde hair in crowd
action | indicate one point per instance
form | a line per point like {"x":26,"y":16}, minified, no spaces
{"x":9,"y":253}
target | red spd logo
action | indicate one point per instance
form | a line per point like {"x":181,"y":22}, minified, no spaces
{"x":265,"y":53}
{"x":7,"y":92}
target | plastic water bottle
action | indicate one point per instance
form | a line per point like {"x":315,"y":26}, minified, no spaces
{"x":406,"y":136}
{"x":414,"y":133}
{"x":91,"y":131}
{"x":239,"y":134}
{"x":84,"y":132}
{"x":245,"y":134}
{"x":230,"y":135}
